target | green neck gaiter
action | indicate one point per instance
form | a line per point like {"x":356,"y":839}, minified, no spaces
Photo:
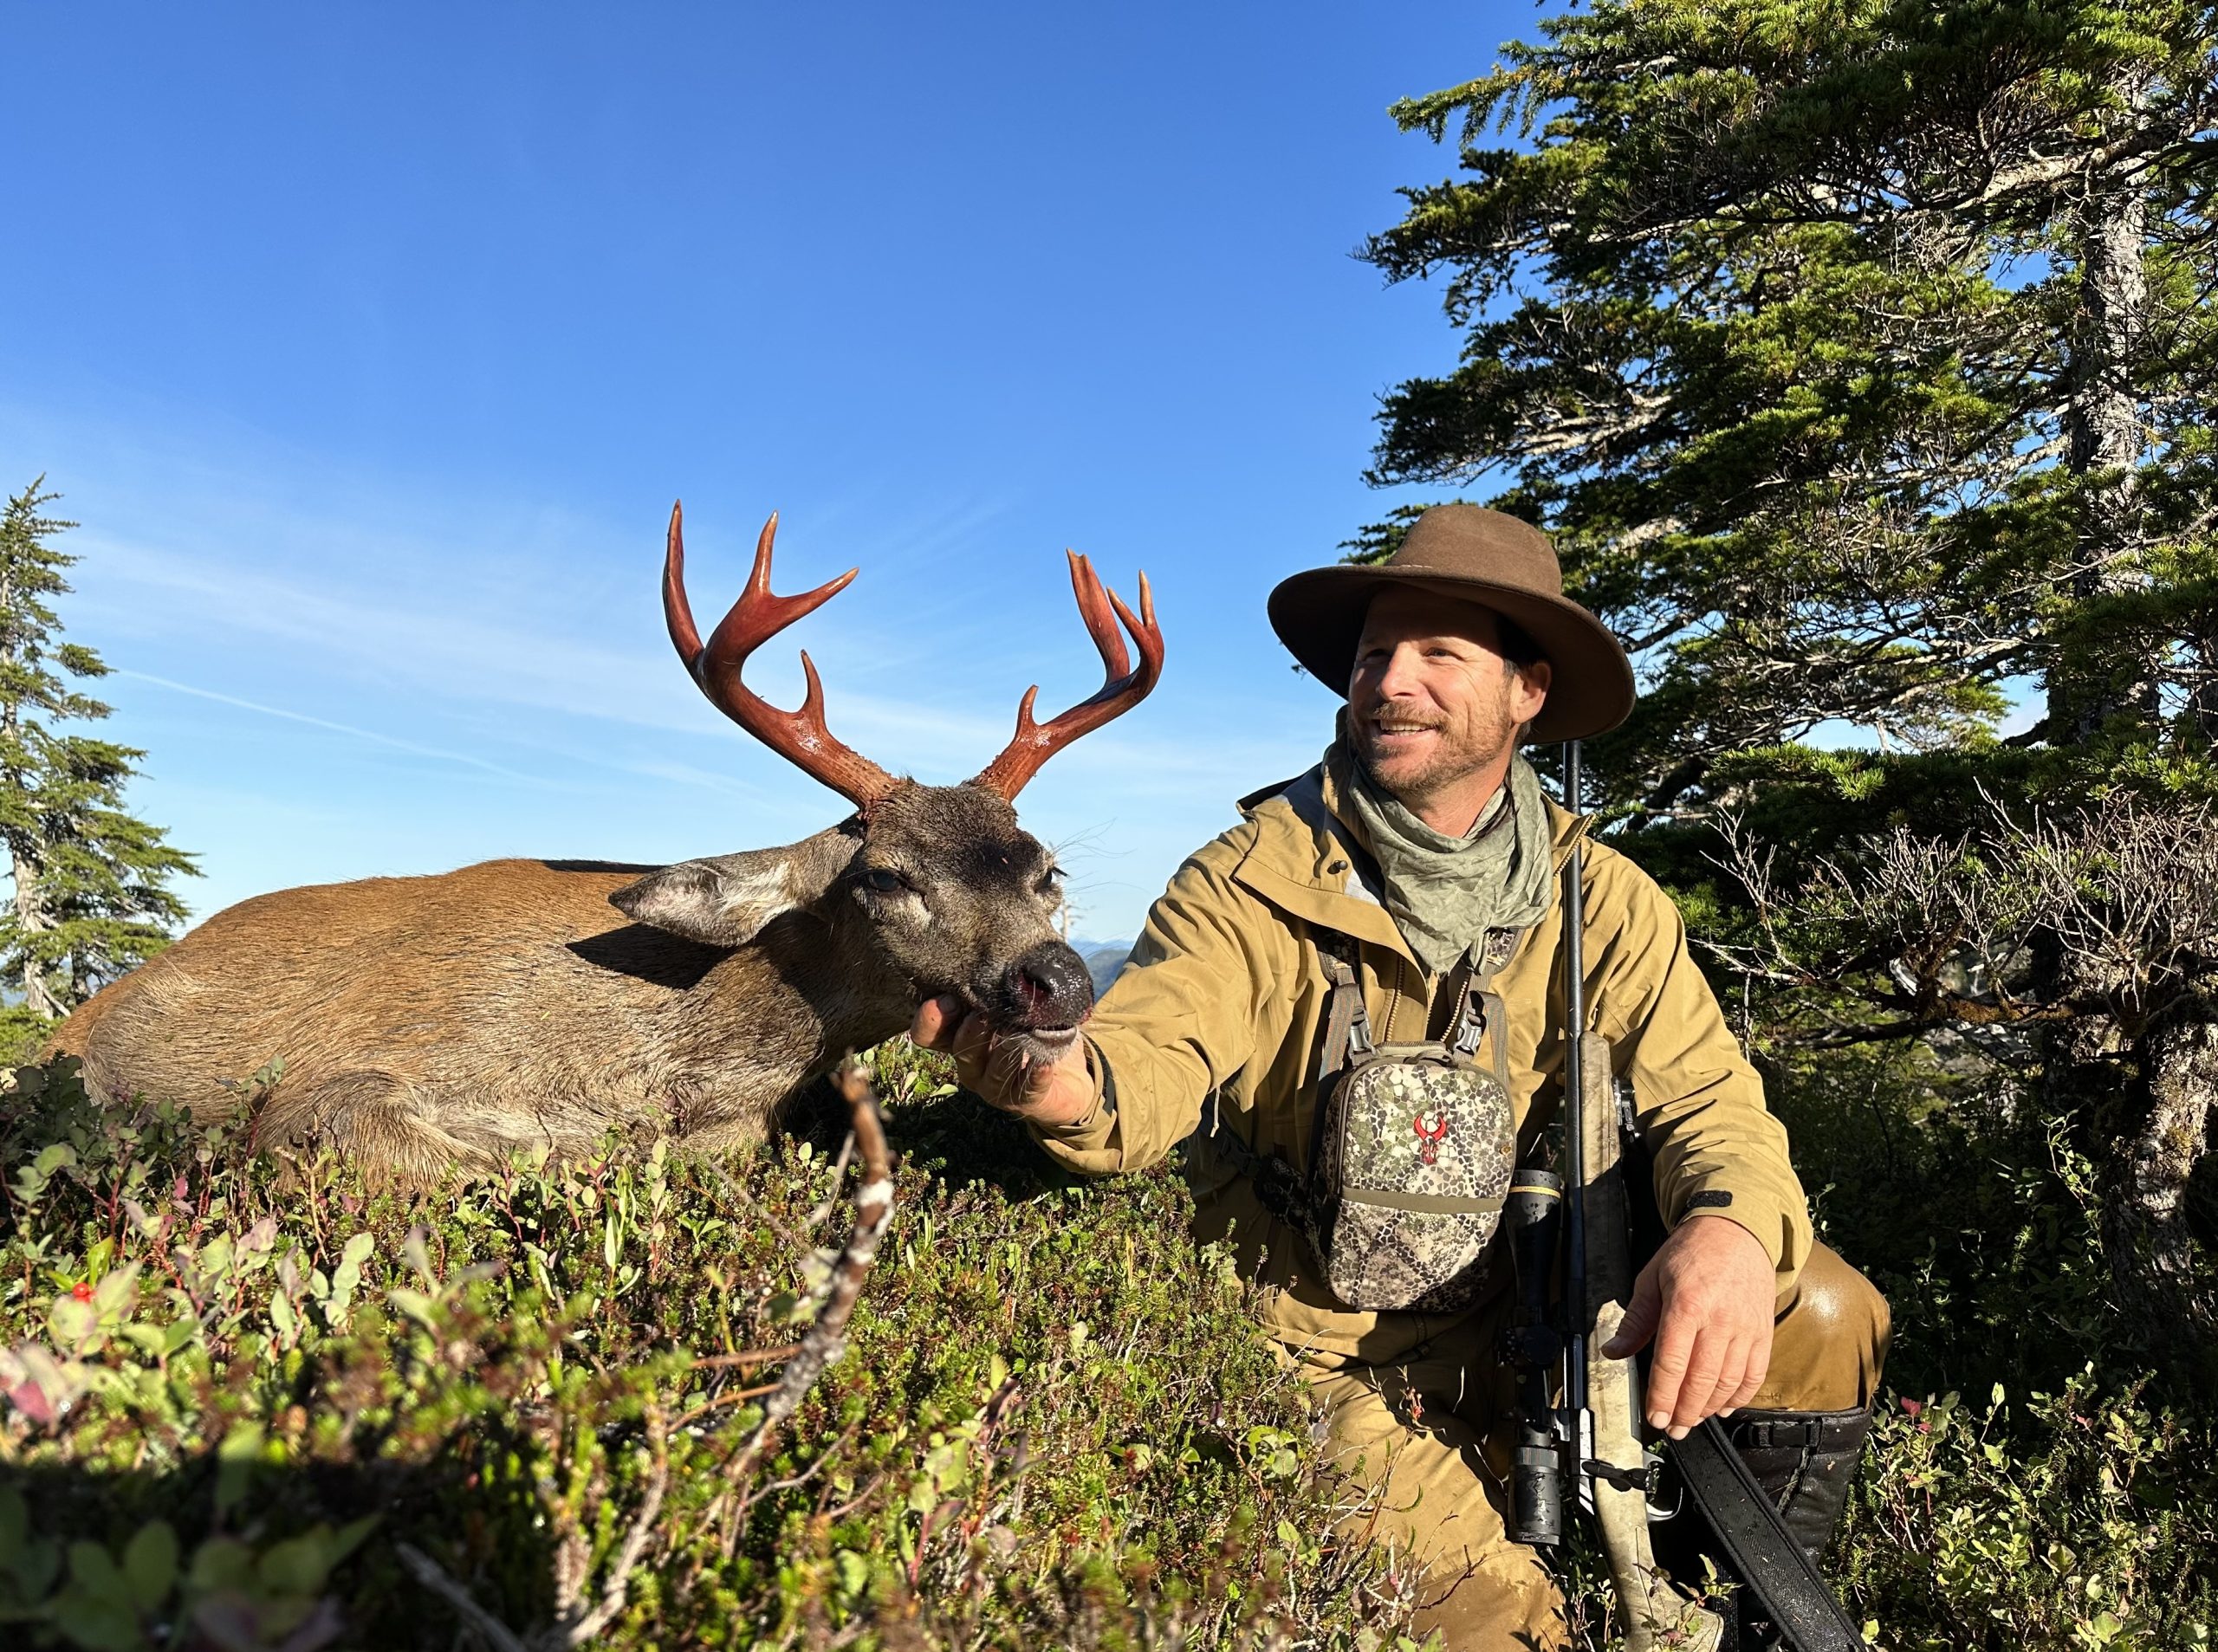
{"x":1445,"y":893}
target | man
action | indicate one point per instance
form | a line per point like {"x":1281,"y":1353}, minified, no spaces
{"x":1423,"y":850}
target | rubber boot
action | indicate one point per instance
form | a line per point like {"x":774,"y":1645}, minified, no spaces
{"x":1805,"y":1461}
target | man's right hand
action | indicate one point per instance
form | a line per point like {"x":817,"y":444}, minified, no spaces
{"x":1058,"y":1092}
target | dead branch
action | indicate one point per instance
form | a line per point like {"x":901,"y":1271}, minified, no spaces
{"x":748,"y":1357}
{"x":618,"y":1590}
{"x":827,"y":1339}
{"x":428,"y":1572}
{"x":573,"y":1626}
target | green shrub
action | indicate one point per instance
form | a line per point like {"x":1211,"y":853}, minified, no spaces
{"x":2078,"y":1507}
{"x":245,"y":1404}
{"x":249,"y":1404}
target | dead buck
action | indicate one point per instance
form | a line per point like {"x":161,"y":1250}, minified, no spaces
{"x":428,"y":1022}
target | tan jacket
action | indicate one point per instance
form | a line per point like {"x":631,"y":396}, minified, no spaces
{"x":1225,"y":993}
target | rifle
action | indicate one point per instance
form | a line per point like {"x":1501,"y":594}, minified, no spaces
{"x":1585,"y":1447}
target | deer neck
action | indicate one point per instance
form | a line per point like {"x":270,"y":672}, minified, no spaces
{"x":775,"y":1013}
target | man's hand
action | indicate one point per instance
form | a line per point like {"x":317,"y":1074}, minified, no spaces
{"x":1707,"y":1297}
{"x":1060,"y":1093}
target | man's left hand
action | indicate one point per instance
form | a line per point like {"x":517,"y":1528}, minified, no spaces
{"x":1707,"y":1297}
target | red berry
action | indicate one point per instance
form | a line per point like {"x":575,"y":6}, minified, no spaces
{"x":83,"y":1293}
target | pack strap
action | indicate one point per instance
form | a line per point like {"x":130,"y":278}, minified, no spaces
{"x":1762,"y":1552}
{"x":1347,"y":1022}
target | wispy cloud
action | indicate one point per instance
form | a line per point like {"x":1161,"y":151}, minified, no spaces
{"x":514,"y":644}
{"x":348,"y":729}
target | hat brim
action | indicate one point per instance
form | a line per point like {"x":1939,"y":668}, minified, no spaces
{"x":1318,"y":615}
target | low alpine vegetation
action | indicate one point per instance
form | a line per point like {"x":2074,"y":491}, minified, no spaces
{"x":260,"y":1405}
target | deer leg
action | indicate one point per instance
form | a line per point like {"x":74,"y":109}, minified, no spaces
{"x":367,"y":1118}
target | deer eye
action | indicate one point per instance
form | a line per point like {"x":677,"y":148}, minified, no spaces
{"x":883,"y":881}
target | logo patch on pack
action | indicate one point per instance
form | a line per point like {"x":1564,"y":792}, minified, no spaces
{"x":1430,"y":1134}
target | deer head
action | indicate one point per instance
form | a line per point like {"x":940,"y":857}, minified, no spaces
{"x":937,"y":886}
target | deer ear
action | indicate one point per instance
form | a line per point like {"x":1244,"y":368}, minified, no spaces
{"x":725,"y":901}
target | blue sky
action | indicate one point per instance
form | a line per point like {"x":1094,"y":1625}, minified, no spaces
{"x":370,"y":346}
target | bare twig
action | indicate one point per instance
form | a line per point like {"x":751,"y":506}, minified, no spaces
{"x":573,"y":1628}
{"x":618,"y":1590}
{"x":748,"y":1357}
{"x":827,"y":1338}
{"x":428,"y":1572}
{"x":732,"y":1396}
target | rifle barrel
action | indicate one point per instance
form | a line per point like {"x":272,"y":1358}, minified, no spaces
{"x":1574,"y":1093}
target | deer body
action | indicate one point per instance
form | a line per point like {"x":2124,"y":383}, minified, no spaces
{"x":527,"y":1004}
{"x":533,"y":1014}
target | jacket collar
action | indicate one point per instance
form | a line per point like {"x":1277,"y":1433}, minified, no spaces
{"x":1304,"y":860}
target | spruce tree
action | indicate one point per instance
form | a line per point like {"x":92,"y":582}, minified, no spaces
{"x":1860,"y":359}
{"x":92,"y":895}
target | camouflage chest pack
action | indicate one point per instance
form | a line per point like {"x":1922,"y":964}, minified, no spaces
{"x":1410,"y":1148}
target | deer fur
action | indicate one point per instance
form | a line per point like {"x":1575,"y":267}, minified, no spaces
{"x":522,"y":1005}
{"x":527,"y":1004}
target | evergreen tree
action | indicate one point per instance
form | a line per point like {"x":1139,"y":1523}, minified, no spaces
{"x":92,"y":896}
{"x":1859,"y":357}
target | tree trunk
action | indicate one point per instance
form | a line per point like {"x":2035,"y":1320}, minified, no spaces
{"x":2103,"y":428}
{"x":31,"y":916}
{"x":31,"y":919}
{"x":2146,"y":1102}
{"x":2158,"y":1262}
{"x":2203,"y":698}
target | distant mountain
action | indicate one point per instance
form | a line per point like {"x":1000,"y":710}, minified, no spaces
{"x":1103,"y":960}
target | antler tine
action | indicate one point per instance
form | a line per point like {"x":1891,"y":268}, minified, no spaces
{"x":799,"y":736}
{"x":1094,"y":606}
{"x":1125,"y":686}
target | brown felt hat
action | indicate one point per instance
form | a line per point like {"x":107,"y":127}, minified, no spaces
{"x":1477,"y":555}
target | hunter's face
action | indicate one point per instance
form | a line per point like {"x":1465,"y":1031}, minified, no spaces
{"x":1432,"y":699}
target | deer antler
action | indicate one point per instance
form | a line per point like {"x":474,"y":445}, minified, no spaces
{"x":1034,"y":743}
{"x":799,"y":736}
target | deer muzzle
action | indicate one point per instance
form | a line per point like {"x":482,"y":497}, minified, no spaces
{"x":1044,"y":992}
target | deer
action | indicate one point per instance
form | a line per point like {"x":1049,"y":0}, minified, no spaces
{"x":414,"y":1025}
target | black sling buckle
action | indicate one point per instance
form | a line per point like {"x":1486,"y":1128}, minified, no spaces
{"x":1761,"y":1551}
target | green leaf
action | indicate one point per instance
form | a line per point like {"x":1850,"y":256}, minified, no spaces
{"x":298,"y":1565}
{"x":15,"y":1524}
{"x":92,"y":1568}
{"x":349,"y":1537}
{"x":147,"y":1339}
{"x":70,"y":1322}
{"x":235,"y":1460}
{"x":854,"y":1573}
{"x":119,"y":1293}
{"x":416,"y":1306}
{"x":35,"y":1566}
{"x":98,"y":1623}
{"x":220,"y":1565}
{"x":150,"y":1564}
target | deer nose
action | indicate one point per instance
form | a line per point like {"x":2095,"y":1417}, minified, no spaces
{"x":1048,"y":987}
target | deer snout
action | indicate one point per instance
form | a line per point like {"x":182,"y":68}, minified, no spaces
{"x":1046,"y":989}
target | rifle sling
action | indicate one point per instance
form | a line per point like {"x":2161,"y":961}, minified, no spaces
{"x":1763,"y":1554}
